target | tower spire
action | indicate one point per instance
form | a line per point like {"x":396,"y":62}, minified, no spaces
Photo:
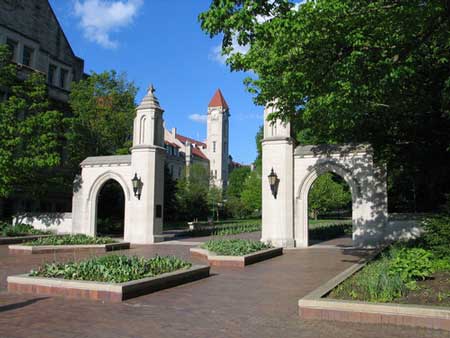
{"x":218,"y":100}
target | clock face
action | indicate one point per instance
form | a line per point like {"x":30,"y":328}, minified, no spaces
{"x":214,"y":115}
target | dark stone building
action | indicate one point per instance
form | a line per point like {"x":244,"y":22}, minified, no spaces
{"x":31,"y":29}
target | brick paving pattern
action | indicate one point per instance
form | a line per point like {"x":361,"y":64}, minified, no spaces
{"x":256,"y":302}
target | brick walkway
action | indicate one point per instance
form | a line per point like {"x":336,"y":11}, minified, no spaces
{"x":259,"y":301}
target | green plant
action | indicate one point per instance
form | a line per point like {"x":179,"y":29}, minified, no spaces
{"x":410,"y":263}
{"x":19,"y":229}
{"x":375,"y":283}
{"x":112,"y":268}
{"x":70,"y":240}
{"x":328,"y":231}
{"x":436,"y":235}
{"x":234,"y":247}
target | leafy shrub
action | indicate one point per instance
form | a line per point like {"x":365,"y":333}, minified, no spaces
{"x":70,"y":240}
{"x":329,"y":231}
{"x":234,"y":247}
{"x":436,"y":235}
{"x":375,"y":283}
{"x":19,"y":229}
{"x":236,"y":229}
{"x":112,"y":268}
{"x":410,"y":263}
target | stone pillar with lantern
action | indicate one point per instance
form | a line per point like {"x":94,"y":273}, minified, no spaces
{"x":277,"y":181}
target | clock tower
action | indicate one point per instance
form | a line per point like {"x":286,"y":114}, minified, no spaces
{"x":217,"y":139}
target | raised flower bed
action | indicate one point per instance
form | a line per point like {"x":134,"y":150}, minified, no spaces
{"x":68,"y":243}
{"x":408,"y":284}
{"x":19,"y":233}
{"x":109,"y":278}
{"x":235,"y":252}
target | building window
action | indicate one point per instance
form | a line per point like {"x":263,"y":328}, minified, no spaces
{"x":63,"y":78}
{"x":27,"y":57}
{"x":215,"y":173}
{"x":214,"y":146}
{"x":179,"y":171}
{"x":51,"y":74}
{"x":13,"y":45}
{"x":171,"y":170}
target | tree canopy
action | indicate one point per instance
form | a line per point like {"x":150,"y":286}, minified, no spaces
{"x":352,"y":71}
{"x":103,"y":110}
{"x":30,"y":131}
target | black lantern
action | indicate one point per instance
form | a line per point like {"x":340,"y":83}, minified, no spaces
{"x":273,"y":181}
{"x":137,"y":186}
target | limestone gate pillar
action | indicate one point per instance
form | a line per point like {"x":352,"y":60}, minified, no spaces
{"x":277,"y":201}
{"x":147,"y":163}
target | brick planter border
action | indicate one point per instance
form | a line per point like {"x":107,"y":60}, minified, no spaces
{"x":235,"y":261}
{"x":40,"y":249}
{"x":111,"y":292}
{"x":315,"y":306}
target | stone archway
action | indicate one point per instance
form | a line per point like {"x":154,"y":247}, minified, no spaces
{"x":301,"y":230}
{"x":354,"y":163}
{"x":94,"y":194}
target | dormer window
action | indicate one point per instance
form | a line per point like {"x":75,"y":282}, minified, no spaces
{"x":64,"y":74}
{"x":27,"y":57}
{"x":13,"y":46}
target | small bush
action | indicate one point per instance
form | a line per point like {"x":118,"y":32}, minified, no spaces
{"x":234,"y":247}
{"x":70,"y":240}
{"x":436,"y":235}
{"x":329,"y":231}
{"x":20,"y":229}
{"x":410,"y":263}
{"x":375,"y":283}
{"x":112,"y":268}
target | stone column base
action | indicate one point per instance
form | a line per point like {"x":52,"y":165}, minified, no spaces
{"x":280,"y":242}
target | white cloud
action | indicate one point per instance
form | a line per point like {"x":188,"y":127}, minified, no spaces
{"x":198,"y":118}
{"x":100,"y":18}
{"x":216,"y":53}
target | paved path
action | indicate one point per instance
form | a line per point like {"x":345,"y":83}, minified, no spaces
{"x":256,"y":302}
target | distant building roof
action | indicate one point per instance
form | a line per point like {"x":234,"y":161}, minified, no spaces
{"x":218,"y":100}
{"x":172,"y":144}
{"x":197,"y":152}
{"x":184,"y":139}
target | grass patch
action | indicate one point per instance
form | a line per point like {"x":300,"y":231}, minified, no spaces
{"x":9,"y":230}
{"x":71,"y":240}
{"x":112,"y":268}
{"x":234,"y":247}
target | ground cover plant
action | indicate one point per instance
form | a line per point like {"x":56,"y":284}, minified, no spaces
{"x":71,"y":240}
{"x":325,"y":231}
{"x":10,"y":230}
{"x":234,"y":247}
{"x":112,"y":268}
{"x":406,"y":271}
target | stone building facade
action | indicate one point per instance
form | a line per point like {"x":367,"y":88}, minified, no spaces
{"x":38,"y":43}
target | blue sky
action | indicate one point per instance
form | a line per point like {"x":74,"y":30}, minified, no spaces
{"x":160,"y":42}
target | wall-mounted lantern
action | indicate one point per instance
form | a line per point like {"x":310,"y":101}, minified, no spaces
{"x":273,"y":181}
{"x":137,"y":186}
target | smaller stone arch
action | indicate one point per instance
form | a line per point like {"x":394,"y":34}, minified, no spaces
{"x":354,"y":163}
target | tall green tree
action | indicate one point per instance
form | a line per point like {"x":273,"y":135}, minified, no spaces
{"x":352,"y":71}
{"x":251,"y":196}
{"x":236,"y":181}
{"x":328,"y":193}
{"x":192,"y":194}
{"x":30,"y":132}
{"x":103,"y":107}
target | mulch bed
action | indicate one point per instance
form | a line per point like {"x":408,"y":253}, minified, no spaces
{"x":432,"y":291}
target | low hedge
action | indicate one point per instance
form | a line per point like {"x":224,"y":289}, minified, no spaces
{"x":9,"y":230}
{"x":112,"y":268}
{"x":234,"y":247}
{"x":71,"y":240}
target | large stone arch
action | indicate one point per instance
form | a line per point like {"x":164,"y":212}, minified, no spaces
{"x":354,"y":163}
